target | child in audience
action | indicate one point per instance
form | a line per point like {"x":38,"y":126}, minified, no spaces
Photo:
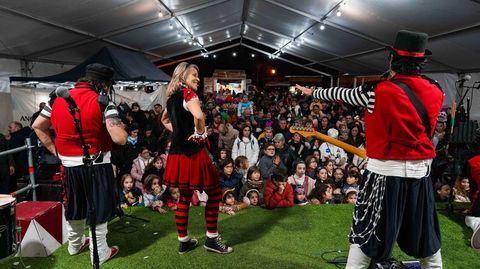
{"x":241,"y":167}
{"x":139,"y":164}
{"x":229,"y":204}
{"x":229,"y":178}
{"x":300,"y":196}
{"x":329,"y":165}
{"x":312,"y":165}
{"x":254,"y":181}
{"x":252,"y":198}
{"x":278,"y":193}
{"x":153,"y":196}
{"x":352,"y":181}
{"x":299,"y":179}
{"x":351,"y":196}
{"x":322,"y":175}
{"x":131,"y":196}
{"x":322,"y":194}
{"x":339,"y":179}
{"x":461,"y":190}
{"x":154,"y":168}
{"x":172,"y":201}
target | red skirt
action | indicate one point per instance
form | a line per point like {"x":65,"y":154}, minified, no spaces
{"x":195,"y":172}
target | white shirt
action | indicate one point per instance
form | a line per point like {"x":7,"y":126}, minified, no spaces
{"x":397,"y":168}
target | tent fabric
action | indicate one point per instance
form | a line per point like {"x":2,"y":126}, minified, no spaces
{"x":68,"y":32}
{"x":128,"y":66}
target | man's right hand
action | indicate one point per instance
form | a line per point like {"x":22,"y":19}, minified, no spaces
{"x":305,"y":91}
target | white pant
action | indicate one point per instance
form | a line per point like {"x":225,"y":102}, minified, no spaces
{"x":76,"y":229}
{"x":358,"y":260}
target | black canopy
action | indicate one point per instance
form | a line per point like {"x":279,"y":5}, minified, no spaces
{"x":128,"y":66}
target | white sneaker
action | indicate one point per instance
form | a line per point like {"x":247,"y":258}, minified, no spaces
{"x":475,"y":241}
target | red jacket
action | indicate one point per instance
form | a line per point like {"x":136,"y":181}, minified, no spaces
{"x":94,"y":131}
{"x":474,"y":165}
{"x":394,"y":130}
{"x":274,"y":199}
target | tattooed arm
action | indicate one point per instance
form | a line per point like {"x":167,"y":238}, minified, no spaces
{"x":116,"y":130}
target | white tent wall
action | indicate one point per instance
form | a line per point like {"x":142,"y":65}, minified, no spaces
{"x":447,"y":82}
{"x":474,"y":96}
{"x":24,"y":101}
{"x":13,"y":67}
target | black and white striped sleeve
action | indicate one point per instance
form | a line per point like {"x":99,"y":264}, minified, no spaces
{"x":46,"y":111}
{"x":358,"y":96}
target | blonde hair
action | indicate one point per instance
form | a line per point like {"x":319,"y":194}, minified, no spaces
{"x":179,"y":76}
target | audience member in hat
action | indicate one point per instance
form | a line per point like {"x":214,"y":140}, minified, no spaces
{"x":101,"y":126}
{"x":278,"y":193}
{"x":300,"y":197}
{"x":351,"y":195}
{"x":253,"y":198}
{"x":396,"y":139}
{"x":229,"y":204}
{"x":332,"y":152}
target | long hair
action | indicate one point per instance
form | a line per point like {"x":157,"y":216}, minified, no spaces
{"x":179,"y":76}
{"x":407,"y":65}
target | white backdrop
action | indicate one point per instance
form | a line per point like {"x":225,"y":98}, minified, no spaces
{"x":25,"y":101}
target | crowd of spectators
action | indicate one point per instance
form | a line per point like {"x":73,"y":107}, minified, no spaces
{"x":260,"y":161}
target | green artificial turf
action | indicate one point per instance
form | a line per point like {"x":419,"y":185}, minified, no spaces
{"x":281,"y":238}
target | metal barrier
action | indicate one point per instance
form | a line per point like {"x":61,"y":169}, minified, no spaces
{"x":28,"y":146}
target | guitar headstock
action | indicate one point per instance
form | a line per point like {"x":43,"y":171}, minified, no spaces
{"x":304,"y":130}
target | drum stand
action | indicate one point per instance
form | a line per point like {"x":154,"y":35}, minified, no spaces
{"x":88,"y":188}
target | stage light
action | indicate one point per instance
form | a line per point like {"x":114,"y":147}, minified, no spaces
{"x":160,"y":14}
{"x":339,"y":13}
{"x":270,"y":56}
{"x":170,"y":25}
{"x":214,"y":56}
{"x":185,"y":40}
{"x":234,"y":54}
{"x":273,"y":71}
{"x":322,"y":27}
{"x":190,"y":42}
{"x":179,"y":35}
{"x":252,"y":55}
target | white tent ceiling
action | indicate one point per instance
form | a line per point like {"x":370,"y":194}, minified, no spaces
{"x":69,"y":31}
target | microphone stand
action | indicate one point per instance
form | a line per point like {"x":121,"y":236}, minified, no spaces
{"x":88,"y":188}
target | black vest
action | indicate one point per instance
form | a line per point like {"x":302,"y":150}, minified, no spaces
{"x":183,"y":126}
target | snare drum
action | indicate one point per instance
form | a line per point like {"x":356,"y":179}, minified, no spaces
{"x":8,"y":242}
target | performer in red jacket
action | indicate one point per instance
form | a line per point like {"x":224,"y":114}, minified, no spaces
{"x":278,"y":193}
{"x":472,"y":218}
{"x":396,"y":201}
{"x":189,"y":167}
{"x":101,"y":127}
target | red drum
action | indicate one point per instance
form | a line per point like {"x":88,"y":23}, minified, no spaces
{"x":8,"y":242}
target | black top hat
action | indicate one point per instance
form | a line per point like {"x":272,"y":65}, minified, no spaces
{"x":411,"y":44}
{"x":99,"y":72}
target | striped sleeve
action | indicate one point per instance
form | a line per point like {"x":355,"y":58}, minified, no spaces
{"x":46,"y":111}
{"x":359,"y":96}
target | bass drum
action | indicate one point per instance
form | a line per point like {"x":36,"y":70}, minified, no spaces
{"x":8,"y":242}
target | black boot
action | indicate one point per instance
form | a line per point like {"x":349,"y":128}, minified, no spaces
{"x":187,"y":246}
{"x":215,"y":245}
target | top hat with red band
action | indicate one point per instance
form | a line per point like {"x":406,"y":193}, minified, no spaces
{"x":411,"y":44}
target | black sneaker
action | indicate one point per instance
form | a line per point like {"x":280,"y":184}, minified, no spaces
{"x":215,"y":245}
{"x":187,"y":246}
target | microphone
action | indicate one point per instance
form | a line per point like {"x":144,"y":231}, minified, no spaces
{"x":465,"y":78}
{"x":63,"y":92}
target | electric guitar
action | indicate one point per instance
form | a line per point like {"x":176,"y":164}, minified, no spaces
{"x":310,"y":131}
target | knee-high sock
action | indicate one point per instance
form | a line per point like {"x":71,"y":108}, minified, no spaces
{"x":211,"y":211}
{"x":181,"y":215}
{"x":75,"y":229}
{"x":432,"y":262}
{"x":104,"y":250}
{"x":356,"y":258}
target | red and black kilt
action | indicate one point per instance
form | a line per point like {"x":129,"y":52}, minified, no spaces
{"x":194,"y":172}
